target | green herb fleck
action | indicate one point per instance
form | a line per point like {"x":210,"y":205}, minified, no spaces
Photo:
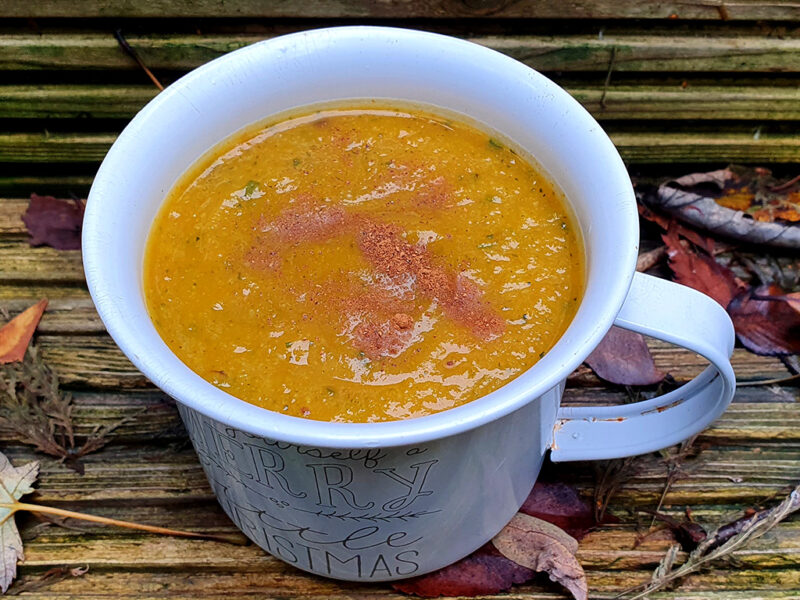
{"x":250,"y":188}
{"x":541,"y":354}
{"x":289,"y":344}
{"x":197,"y":239}
{"x":495,"y":144}
{"x":330,"y":390}
{"x":296,"y":162}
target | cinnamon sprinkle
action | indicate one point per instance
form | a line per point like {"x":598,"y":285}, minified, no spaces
{"x":384,"y":326}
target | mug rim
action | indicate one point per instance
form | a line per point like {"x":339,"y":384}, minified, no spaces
{"x":191,"y":390}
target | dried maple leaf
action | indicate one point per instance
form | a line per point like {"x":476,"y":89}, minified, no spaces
{"x":561,"y":505}
{"x":764,"y":323}
{"x":17,"y":333}
{"x":622,"y":357}
{"x":741,"y":203}
{"x":14,"y":483}
{"x":700,"y":271}
{"x":54,"y":222}
{"x":543,"y":547}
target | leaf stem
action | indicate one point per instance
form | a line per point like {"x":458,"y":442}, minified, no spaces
{"x":235,"y":538}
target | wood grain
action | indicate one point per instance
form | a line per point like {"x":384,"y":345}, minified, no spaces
{"x":404,"y":9}
{"x":634,"y":53}
{"x":645,"y":102}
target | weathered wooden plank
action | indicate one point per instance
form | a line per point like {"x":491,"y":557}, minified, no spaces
{"x":151,"y":414}
{"x":140,"y":417}
{"x":164,"y":560}
{"x":11,"y":210}
{"x":164,"y":470}
{"x":650,"y":147}
{"x":102,"y":585}
{"x":662,"y":148}
{"x":643,"y":52}
{"x":403,"y":9}
{"x":56,"y":147}
{"x":73,"y":102}
{"x":45,"y":184}
{"x":19,"y":262}
{"x":620,"y":102}
{"x":611,"y":549}
{"x":693,"y":102}
{"x":91,"y":361}
{"x":63,"y":315}
{"x":35,"y":290}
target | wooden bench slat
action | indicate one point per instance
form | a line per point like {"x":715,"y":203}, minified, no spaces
{"x":646,"y":102}
{"x":608,"y":549}
{"x":156,"y":472}
{"x":620,"y":102}
{"x":404,"y":9}
{"x":743,"y":422}
{"x":645,"y":52}
{"x":646,"y":147}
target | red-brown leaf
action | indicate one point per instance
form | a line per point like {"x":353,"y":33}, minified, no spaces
{"x":17,"y":333}
{"x":485,"y":571}
{"x":669,"y":223}
{"x":622,"y":357}
{"x":54,"y":222}
{"x":700,"y":271}
{"x":793,"y":300}
{"x":561,"y":505}
{"x":766,"y":327}
{"x":544,"y":548}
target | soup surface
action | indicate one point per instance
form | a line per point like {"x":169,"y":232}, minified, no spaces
{"x":364,"y":264}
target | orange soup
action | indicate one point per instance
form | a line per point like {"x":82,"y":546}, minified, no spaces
{"x":363,"y":264}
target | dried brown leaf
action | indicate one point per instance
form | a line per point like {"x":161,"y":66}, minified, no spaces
{"x":543,"y":547}
{"x":668,"y":223}
{"x":622,"y":357}
{"x":483,"y":572}
{"x":561,"y":505}
{"x":14,"y":483}
{"x":17,"y":333}
{"x":54,"y":222}
{"x":700,"y":271}
{"x":766,"y":326}
{"x":37,"y":413}
{"x":47,"y":579}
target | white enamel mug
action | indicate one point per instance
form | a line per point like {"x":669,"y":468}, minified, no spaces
{"x":382,"y":501}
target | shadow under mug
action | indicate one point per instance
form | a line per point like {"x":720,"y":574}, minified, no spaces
{"x":382,"y":501}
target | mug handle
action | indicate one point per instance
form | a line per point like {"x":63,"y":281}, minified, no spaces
{"x":679,"y":315}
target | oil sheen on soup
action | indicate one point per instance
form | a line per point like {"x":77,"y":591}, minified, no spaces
{"x":364,"y":264}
